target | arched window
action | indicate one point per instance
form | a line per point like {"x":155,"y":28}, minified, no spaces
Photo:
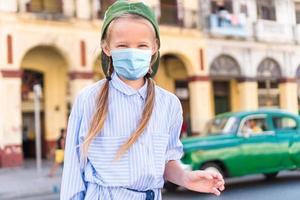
{"x":268,"y":69}
{"x":225,"y":66}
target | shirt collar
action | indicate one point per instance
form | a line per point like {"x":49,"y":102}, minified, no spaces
{"x":118,"y":84}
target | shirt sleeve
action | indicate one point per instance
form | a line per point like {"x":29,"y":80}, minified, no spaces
{"x":73,"y":186}
{"x":175,"y":147}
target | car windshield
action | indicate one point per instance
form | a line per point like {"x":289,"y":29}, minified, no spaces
{"x":221,"y":125}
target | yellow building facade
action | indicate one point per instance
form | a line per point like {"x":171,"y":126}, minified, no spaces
{"x":43,"y":43}
{"x":57,"y":45}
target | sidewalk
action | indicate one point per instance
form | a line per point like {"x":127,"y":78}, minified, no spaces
{"x":21,"y":182}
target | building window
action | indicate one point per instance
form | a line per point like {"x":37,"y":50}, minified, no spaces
{"x":266,"y":9}
{"x":47,"y":6}
{"x":297,"y":7}
{"x":104,"y":5}
{"x":244,"y":9}
{"x":29,"y":79}
{"x":269,"y":74}
{"x":169,"y":12}
{"x":268,"y":94}
{"x":221,"y":5}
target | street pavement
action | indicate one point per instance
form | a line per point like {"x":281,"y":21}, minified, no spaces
{"x":23,"y":183}
{"x":285,"y":187}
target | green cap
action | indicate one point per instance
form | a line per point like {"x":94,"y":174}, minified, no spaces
{"x":124,"y":7}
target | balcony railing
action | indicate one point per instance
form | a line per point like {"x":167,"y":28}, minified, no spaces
{"x":272,"y":31}
{"x":232,"y":26}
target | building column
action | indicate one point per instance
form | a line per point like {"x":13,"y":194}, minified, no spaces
{"x":248,"y":95}
{"x":9,"y":6}
{"x":11,"y":128}
{"x":234,"y":96}
{"x":69,"y":8}
{"x":83,"y":9}
{"x":79,"y":80}
{"x":200,"y":103}
{"x":288,"y":95}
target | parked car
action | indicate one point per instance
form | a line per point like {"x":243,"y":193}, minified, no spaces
{"x":244,"y":143}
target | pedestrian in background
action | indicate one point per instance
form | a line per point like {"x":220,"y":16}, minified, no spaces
{"x":59,"y":153}
{"x":123,"y":131}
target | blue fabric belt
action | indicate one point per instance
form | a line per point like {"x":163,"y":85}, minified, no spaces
{"x":149,"y":193}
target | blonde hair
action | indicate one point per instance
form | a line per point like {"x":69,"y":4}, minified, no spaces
{"x":101,"y":110}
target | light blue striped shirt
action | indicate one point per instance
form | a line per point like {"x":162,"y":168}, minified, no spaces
{"x":142,"y":166}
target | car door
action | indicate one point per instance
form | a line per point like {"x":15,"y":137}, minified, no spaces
{"x":259,"y":150}
{"x":288,"y":134}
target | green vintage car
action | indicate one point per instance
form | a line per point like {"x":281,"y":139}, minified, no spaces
{"x":243,"y":143}
{"x":237,"y":144}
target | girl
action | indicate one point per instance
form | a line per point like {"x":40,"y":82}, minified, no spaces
{"x":123,"y":132}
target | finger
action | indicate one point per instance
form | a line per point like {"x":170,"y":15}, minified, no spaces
{"x":222,"y":188}
{"x":215,"y":191}
{"x":220,"y":185}
{"x":204,"y":174}
{"x":217,"y":176}
{"x":221,"y":180}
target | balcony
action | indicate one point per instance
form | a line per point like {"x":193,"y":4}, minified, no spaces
{"x":271,"y":31}
{"x":232,"y":26}
{"x":297,"y":33}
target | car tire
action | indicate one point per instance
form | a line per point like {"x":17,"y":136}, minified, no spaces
{"x":170,"y":187}
{"x":213,"y":167}
{"x":271,"y":176}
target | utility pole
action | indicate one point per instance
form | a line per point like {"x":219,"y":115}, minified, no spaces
{"x":37,"y":107}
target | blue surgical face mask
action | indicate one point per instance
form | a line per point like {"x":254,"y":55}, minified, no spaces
{"x":131,"y":63}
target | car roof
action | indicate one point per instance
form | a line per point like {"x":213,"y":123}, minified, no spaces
{"x":242,"y":114}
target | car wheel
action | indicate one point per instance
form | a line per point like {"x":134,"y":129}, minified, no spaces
{"x":271,"y":176}
{"x":170,"y":187}
{"x":212,"y":167}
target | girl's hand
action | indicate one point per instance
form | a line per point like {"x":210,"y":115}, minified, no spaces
{"x":204,"y":181}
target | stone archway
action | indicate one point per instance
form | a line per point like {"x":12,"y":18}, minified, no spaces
{"x":224,"y":71}
{"x":172,"y":75}
{"x":45,"y":65}
{"x":268,"y":75}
